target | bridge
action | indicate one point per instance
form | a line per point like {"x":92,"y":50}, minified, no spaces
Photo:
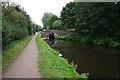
{"x":45,"y":34}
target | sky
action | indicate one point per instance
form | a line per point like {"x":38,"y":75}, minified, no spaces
{"x":36,"y":8}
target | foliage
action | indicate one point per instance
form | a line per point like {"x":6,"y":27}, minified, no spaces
{"x":94,"y":18}
{"x":57,"y":24}
{"x":36,"y":27}
{"x":16,"y":23}
{"x":98,"y":20}
{"x":68,"y":15}
{"x":48,"y":19}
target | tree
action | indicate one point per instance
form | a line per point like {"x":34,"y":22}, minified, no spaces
{"x":68,"y":15}
{"x":57,"y":24}
{"x":100,"y":19}
{"x":52,"y":20}
{"x":36,"y":27}
{"x":16,"y":23}
{"x":48,"y":19}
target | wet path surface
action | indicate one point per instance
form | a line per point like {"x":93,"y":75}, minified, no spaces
{"x":25,"y":66}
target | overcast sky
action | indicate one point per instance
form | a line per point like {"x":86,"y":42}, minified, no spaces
{"x":36,"y":8}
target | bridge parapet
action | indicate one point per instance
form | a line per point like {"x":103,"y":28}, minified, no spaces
{"x":45,"y":34}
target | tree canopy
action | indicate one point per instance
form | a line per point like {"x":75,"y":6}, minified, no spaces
{"x":57,"y":24}
{"x":94,"y":18}
{"x":48,"y":19}
{"x":17,"y":24}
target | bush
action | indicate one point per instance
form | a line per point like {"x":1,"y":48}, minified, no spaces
{"x":16,"y":23}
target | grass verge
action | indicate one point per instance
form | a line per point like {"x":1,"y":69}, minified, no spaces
{"x":12,"y":50}
{"x":53,"y":66}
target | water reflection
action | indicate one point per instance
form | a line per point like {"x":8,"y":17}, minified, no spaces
{"x":98,"y":61}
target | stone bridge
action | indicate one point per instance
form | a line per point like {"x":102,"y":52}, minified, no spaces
{"x":45,"y":34}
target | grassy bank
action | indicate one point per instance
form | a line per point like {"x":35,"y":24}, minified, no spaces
{"x":109,"y":42}
{"x":53,"y":66}
{"x":12,"y":50}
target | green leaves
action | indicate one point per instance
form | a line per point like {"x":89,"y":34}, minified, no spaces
{"x":48,"y":19}
{"x":68,"y":15}
{"x":99,"y":18}
{"x":57,"y":24}
{"x":100,"y":21}
{"x":16,"y":23}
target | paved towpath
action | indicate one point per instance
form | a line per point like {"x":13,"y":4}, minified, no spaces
{"x":26,"y":65}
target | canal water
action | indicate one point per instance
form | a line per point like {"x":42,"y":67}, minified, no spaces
{"x":99,"y":62}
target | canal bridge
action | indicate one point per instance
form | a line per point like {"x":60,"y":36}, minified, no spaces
{"x":45,"y":34}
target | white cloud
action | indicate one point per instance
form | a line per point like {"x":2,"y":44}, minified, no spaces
{"x":36,"y":8}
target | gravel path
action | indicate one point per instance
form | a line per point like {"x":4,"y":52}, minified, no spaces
{"x":25,"y":66}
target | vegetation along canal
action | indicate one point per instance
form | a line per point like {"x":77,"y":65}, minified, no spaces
{"x":99,"y":62}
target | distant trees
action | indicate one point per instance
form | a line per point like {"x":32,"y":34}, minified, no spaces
{"x":16,"y":22}
{"x":48,"y":20}
{"x":36,"y":27}
{"x":57,"y":25}
{"x":94,"y":18}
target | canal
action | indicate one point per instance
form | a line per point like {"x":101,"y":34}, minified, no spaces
{"x":99,"y":62}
